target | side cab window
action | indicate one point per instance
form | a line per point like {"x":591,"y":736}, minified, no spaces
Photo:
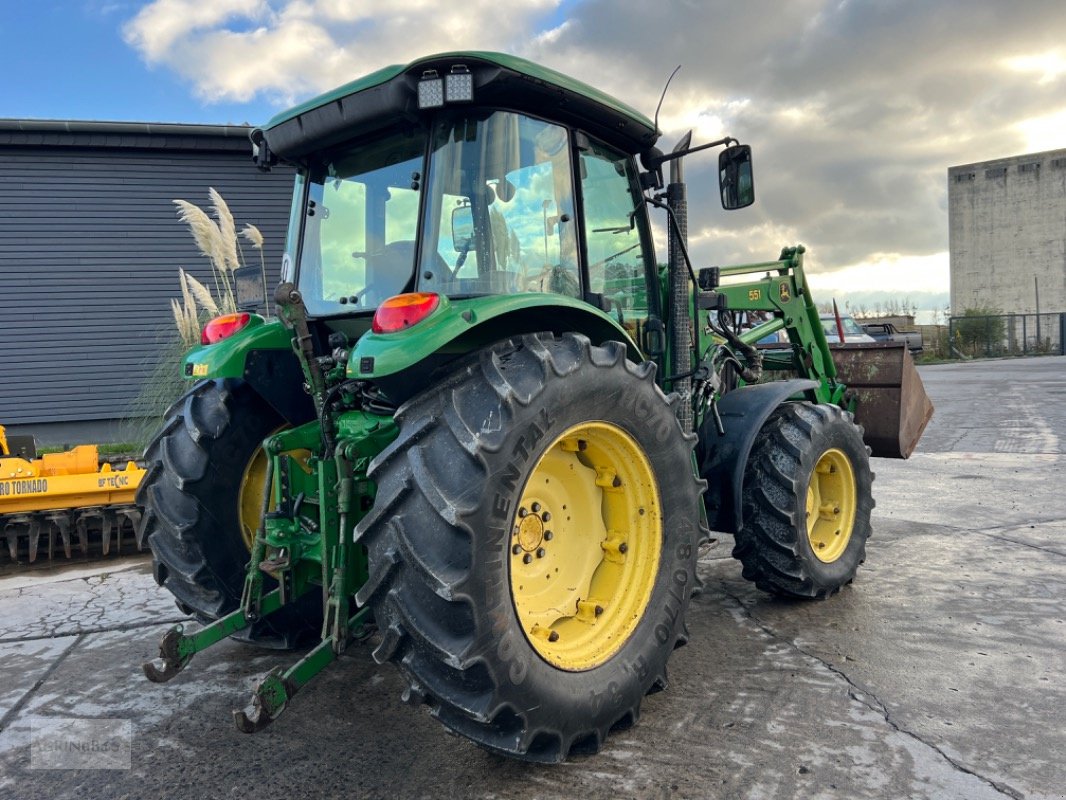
{"x":614,"y":220}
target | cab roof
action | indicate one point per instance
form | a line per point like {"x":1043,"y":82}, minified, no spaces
{"x":388,"y":97}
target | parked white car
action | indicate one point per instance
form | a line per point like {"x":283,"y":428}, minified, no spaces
{"x":853,"y":332}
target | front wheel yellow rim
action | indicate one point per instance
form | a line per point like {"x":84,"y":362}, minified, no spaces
{"x":831,"y":500}
{"x":585,"y":546}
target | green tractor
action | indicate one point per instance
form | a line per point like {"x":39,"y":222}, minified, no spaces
{"x":486,"y":432}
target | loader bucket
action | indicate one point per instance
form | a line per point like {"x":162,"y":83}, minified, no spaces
{"x":891,"y":403}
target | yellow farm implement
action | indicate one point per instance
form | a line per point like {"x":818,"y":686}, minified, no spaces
{"x":46,"y":500}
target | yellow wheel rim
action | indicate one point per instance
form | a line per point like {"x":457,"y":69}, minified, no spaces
{"x":253,"y":488}
{"x":250,"y":495}
{"x":831,"y":498}
{"x":585,"y":545}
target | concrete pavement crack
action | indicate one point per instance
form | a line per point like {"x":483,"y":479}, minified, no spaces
{"x":128,"y":626}
{"x":10,"y":716}
{"x":988,"y":532}
{"x":874,"y":703}
{"x":1040,"y":521}
{"x":1001,"y":538}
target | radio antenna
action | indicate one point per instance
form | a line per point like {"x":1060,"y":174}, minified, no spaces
{"x":663,"y":95}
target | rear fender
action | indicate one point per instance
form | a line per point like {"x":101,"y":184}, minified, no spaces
{"x":261,"y":354}
{"x":722,"y":459}
{"x":407,"y":361}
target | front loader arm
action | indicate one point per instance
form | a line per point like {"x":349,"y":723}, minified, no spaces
{"x":876,"y":382}
{"x":783,"y":292}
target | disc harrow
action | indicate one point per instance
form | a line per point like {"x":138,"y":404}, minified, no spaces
{"x":65,"y":506}
{"x":68,"y":535}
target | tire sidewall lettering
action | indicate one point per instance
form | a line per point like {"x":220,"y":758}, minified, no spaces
{"x":509,"y":653}
{"x":647,"y":417}
{"x":576,"y":387}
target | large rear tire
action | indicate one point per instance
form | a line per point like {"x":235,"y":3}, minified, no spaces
{"x":201,"y":498}
{"x":807,"y":501}
{"x":532,"y":545}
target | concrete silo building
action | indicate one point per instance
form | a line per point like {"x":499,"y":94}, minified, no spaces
{"x":1007,"y":228}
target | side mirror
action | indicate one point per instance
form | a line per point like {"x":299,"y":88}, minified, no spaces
{"x":735,"y":178}
{"x":462,"y":229}
{"x":249,"y":284}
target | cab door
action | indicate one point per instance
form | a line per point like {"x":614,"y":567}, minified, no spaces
{"x":619,"y":257}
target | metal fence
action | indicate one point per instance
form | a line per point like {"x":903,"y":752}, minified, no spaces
{"x":1007,"y":335}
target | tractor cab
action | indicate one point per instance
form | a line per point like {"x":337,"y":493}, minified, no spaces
{"x":483,"y":202}
{"x":468,"y":178}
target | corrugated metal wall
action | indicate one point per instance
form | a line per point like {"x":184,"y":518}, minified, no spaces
{"x":90,"y":248}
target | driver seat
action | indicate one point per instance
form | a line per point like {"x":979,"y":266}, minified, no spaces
{"x":391,"y":270}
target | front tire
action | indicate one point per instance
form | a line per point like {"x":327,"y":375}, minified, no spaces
{"x":534,"y":436}
{"x":807,"y":501}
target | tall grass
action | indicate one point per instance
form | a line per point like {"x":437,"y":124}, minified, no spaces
{"x":217,"y":241}
{"x":163,"y":384}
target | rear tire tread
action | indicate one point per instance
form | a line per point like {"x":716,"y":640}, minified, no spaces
{"x":425,"y":607}
{"x":188,"y":520}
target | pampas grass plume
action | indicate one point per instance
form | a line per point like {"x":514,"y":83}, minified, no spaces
{"x":227,"y":229}
{"x":190,"y":285}
{"x":205,"y":233}
{"x":253,"y":235}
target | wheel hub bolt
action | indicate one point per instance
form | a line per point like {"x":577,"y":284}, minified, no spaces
{"x":536,"y":507}
{"x":540,"y":552}
{"x":548,"y":535}
{"x":516,"y":549}
{"x":522,"y":512}
{"x":546,"y":516}
{"x":527,"y":558}
{"x":553,"y":636}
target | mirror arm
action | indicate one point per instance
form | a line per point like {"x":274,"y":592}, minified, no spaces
{"x":654,"y":162}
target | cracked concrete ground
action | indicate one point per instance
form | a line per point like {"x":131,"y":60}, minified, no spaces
{"x":938,"y":674}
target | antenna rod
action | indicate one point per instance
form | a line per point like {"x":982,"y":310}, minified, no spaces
{"x":663,"y":95}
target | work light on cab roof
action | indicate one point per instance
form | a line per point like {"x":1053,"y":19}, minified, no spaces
{"x":457,"y":86}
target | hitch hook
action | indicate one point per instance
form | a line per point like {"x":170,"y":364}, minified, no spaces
{"x":170,"y":661}
{"x":269,"y":699}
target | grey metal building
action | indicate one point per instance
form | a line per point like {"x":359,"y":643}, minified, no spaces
{"x":1007,"y":231}
{"x":90,"y":248}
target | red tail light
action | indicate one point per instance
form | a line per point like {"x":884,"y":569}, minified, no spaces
{"x":223,"y":327}
{"x":403,"y":311}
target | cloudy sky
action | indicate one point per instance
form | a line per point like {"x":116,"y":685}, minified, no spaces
{"x":855,"y":110}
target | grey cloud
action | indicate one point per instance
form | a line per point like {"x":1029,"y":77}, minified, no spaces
{"x":902,"y":90}
{"x":883,"y":96}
